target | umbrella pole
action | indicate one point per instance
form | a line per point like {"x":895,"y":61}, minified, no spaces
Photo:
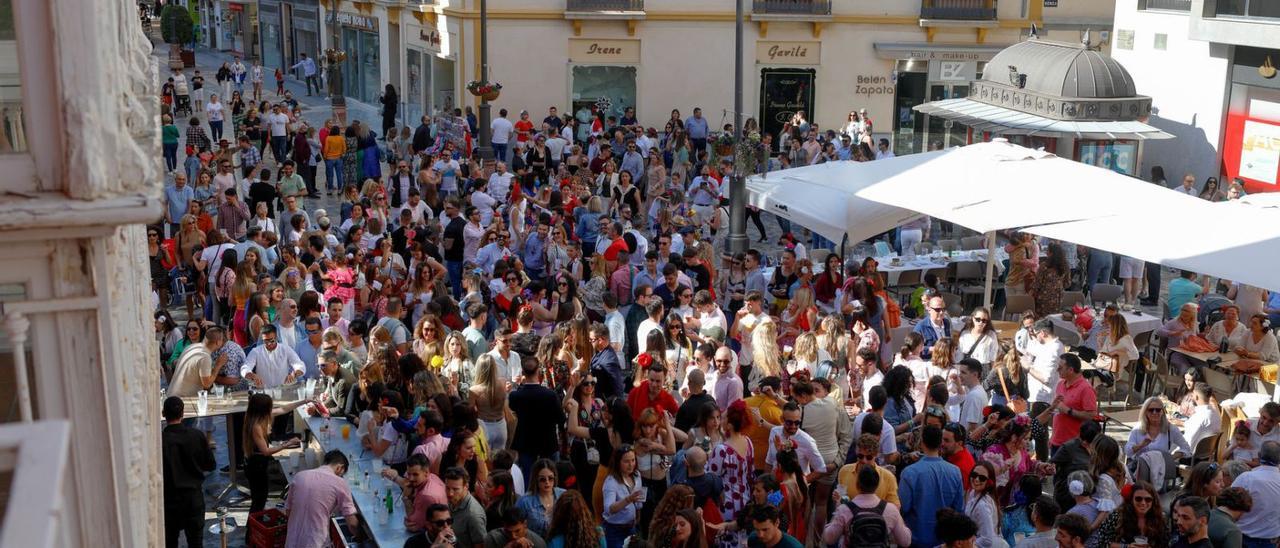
{"x":991,"y":267}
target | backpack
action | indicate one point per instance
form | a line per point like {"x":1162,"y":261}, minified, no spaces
{"x":867,"y":529}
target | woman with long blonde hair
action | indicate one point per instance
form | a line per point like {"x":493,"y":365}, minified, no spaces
{"x":1007,"y":381}
{"x":767,"y":361}
{"x":489,"y":396}
{"x":801,"y":314}
{"x":458,"y":367}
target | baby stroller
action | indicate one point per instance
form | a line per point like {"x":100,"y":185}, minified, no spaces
{"x":182,"y":106}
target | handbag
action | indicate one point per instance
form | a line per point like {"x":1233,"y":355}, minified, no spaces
{"x":1246,"y":367}
{"x":1019,"y":405}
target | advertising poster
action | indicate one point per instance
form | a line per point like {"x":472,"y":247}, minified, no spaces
{"x":1260,"y":151}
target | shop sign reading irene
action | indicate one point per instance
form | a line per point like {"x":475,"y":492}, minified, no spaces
{"x":587,"y":50}
{"x":788,"y":53}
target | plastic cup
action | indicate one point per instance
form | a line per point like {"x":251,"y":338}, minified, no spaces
{"x":346,"y":431}
{"x":202,"y":402}
{"x":295,"y":460}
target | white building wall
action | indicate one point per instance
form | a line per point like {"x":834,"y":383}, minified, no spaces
{"x":1188,"y":82}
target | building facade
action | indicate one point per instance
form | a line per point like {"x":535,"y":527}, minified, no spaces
{"x":821,"y":56}
{"x":826,"y":58}
{"x":80,"y":158}
{"x":1210,"y":67}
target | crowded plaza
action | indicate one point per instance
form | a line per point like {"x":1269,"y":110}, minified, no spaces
{"x":395,"y":332}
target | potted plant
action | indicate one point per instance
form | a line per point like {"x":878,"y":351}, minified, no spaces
{"x":488,"y":91}
{"x":750,"y":154}
{"x":724,"y":144}
{"x":177,"y":29}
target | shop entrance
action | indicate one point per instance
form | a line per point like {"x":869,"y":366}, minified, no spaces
{"x":908,"y":125}
{"x":783,"y":92}
{"x":941,"y":133}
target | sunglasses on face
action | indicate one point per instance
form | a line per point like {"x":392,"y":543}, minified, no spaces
{"x":978,"y":477}
{"x":1143,"y":499}
{"x":980,"y":320}
{"x":791,"y":422}
{"x":442,"y":522}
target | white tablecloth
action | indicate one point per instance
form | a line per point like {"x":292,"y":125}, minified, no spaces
{"x":1137,"y":323}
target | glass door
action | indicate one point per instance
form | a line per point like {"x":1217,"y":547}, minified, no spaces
{"x":944,"y":133}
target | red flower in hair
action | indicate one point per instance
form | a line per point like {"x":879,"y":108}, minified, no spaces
{"x":644,"y":360}
{"x":498,"y":491}
{"x":1124,"y":491}
{"x":570,"y":481}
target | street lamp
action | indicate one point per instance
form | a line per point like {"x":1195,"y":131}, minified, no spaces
{"x":485,"y":150}
{"x":737,"y":184}
{"x":334,"y":57}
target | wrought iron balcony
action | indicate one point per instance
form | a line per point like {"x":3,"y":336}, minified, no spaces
{"x":604,"y":5}
{"x":960,"y":10}
{"x":791,"y":7}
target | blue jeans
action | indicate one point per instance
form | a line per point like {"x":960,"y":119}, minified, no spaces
{"x":500,"y":152}
{"x":455,"y":277}
{"x":279,"y":144}
{"x":170,"y":156}
{"x":215,"y":130}
{"x":1099,"y":271}
{"x":1250,"y":542}
{"x":333,"y":174}
{"x":615,"y":535}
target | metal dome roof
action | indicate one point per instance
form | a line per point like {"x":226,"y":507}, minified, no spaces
{"x":1061,"y":70}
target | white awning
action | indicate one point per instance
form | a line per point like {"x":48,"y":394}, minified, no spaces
{"x":822,"y":198}
{"x":1004,"y":121}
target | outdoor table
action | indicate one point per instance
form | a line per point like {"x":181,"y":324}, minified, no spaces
{"x":1138,"y":324}
{"x":1005,"y":330}
{"x":1127,"y":418}
{"x":939,"y":260}
{"x":388,"y":531}
{"x":1221,"y":377}
{"x":229,"y":405}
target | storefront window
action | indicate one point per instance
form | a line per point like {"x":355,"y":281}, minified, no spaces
{"x":612,"y":89}
{"x":271,"y":54}
{"x":414,"y":99}
{"x":371,"y":74}
{"x":1117,"y":156}
{"x":441,"y":83}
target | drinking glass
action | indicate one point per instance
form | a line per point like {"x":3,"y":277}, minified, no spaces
{"x":202,"y":402}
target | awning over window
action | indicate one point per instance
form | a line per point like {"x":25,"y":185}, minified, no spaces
{"x":1004,"y":121}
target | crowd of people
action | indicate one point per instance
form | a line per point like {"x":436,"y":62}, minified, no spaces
{"x":555,"y":349}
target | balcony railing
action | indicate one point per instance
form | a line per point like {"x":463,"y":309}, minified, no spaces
{"x":1249,"y":8}
{"x":1171,"y":5}
{"x":604,"y":5}
{"x":792,"y":7}
{"x":964,"y":10}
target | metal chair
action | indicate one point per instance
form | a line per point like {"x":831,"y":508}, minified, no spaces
{"x":968,"y":243}
{"x":1206,"y":449}
{"x":948,"y":245}
{"x":882,"y":249}
{"x":952,"y":302}
{"x":1015,"y":305}
{"x":971,"y":272}
{"x":1105,"y":293}
{"x":898,"y":334}
{"x":1071,"y":298}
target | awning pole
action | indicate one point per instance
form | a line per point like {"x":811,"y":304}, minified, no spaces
{"x":991,"y":268}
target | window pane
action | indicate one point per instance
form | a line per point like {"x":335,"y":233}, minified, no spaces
{"x":12,"y":135}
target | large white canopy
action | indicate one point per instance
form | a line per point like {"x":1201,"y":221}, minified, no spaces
{"x":998,"y":186}
{"x":821,"y":198}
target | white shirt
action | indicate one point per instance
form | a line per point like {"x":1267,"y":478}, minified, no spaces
{"x":1202,"y":423}
{"x":1263,"y":483}
{"x":502,"y":130}
{"x":555,"y":146}
{"x":806,"y":450}
{"x":214,"y":110}
{"x":876,"y":379}
{"x":1234,"y":339}
{"x":883,"y":154}
{"x":971,"y":408}
{"x":888,"y":445}
{"x":279,"y":123}
{"x":1189,"y":191}
{"x":985,"y":351}
{"x":617,"y":328}
{"x":272,"y":366}
{"x":642,"y":333}
{"x":500,"y":185}
{"x":419,"y":213}
{"x":484,"y":203}
{"x":1044,"y":363}
{"x":509,"y":368}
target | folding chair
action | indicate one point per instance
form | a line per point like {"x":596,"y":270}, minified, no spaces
{"x":969,"y":243}
{"x":1105,"y":293}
